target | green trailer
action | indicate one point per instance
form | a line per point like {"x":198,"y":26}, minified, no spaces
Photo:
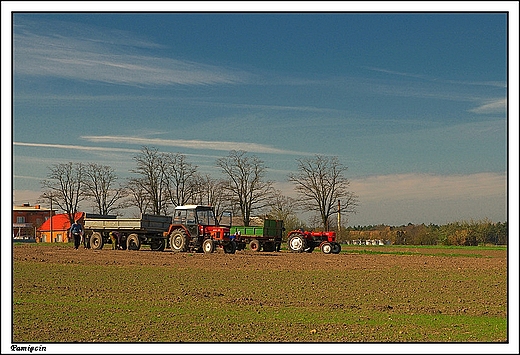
{"x":267,"y":237}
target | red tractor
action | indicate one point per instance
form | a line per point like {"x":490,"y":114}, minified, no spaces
{"x":299,"y":241}
{"x":195,"y":228}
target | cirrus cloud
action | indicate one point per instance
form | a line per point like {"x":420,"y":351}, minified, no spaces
{"x":106,"y":56}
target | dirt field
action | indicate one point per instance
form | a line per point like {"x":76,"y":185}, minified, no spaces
{"x":423,"y":258}
{"x":391,"y":294}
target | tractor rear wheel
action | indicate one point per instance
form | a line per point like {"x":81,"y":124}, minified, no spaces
{"x":296,"y":243}
{"x":208,"y":246}
{"x":96,"y":241}
{"x":254,"y":245}
{"x":326,"y":248}
{"x":133,"y":242}
{"x":178,"y":240}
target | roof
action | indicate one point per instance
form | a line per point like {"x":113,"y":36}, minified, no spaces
{"x":191,"y":207}
{"x":36,"y":208}
{"x":59,"y":222}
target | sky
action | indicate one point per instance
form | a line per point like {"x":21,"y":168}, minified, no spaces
{"x":414,"y":104}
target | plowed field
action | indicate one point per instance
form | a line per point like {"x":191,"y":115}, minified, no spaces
{"x":363,"y":294}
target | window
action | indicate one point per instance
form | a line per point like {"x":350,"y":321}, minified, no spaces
{"x":20,"y":219}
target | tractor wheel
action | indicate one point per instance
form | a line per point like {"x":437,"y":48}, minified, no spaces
{"x":157,"y":245}
{"x":208,"y":246}
{"x":336,"y":248}
{"x":269,"y":246}
{"x":96,"y":241}
{"x":230,"y":248}
{"x":133,"y":242}
{"x":254,"y":245}
{"x":178,"y":240}
{"x":296,"y":243}
{"x":326,"y":248}
{"x":310,"y":249}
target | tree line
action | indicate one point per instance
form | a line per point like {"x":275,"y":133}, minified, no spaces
{"x":161,"y":181}
{"x":460,"y":233}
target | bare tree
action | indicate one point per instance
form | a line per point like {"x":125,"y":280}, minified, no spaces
{"x":99,"y":186}
{"x":245,"y":181}
{"x":284,"y":208}
{"x":210,"y":192}
{"x":320,"y":184}
{"x":137,"y":195}
{"x":64,"y":185}
{"x":151,"y":167}
{"x":180,"y":179}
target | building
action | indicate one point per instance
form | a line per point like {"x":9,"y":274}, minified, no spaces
{"x":27,"y":219}
{"x":56,"y":229}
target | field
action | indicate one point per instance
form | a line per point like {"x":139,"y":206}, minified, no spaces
{"x":364,"y":294}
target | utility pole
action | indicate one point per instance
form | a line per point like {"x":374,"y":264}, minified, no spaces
{"x":50,"y":239}
{"x":50,"y":196}
{"x":339,"y":218}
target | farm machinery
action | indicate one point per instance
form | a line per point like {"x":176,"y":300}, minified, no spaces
{"x":192,"y":228}
{"x":267,"y":237}
{"x":299,"y":241}
{"x":195,"y":228}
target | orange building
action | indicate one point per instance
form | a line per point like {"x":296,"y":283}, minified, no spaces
{"x":26,"y":220}
{"x":56,"y":229}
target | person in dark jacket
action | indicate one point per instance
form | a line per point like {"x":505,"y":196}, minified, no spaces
{"x":76,"y":230}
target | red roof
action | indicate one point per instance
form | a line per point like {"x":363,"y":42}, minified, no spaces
{"x":60,"y":222}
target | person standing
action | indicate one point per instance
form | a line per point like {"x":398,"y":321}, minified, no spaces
{"x":76,"y":229}
{"x":86,"y":240}
{"x":115,"y":237}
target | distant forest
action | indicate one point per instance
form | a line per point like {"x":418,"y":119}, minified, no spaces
{"x":455,"y":233}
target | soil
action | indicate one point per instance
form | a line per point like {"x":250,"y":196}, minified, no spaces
{"x":425,"y":258}
{"x":347,"y":295}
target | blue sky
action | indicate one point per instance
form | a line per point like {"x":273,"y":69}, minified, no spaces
{"x":414,"y":104}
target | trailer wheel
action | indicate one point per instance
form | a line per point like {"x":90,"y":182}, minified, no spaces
{"x":230,"y":248}
{"x":269,"y":246}
{"x":96,"y":241}
{"x":296,"y":243}
{"x":326,"y":248}
{"x":336,"y":248}
{"x":254,"y":245}
{"x":157,"y":245}
{"x":178,"y":240}
{"x":133,"y":242}
{"x":208,"y":246}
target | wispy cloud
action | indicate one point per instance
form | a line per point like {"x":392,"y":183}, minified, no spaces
{"x":106,"y":56}
{"x":75,"y":147}
{"x":429,"y":186}
{"x":482,"y":94}
{"x":192,"y":144}
{"x":495,"y":107}
{"x":439,"y":80}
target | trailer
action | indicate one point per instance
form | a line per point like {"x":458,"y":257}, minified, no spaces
{"x":134,"y":232}
{"x":299,"y":241}
{"x":267,"y":237}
